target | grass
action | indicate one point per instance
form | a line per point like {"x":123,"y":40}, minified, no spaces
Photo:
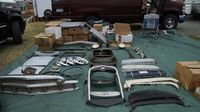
{"x":9,"y":52}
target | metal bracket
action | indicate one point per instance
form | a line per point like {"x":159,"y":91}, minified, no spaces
{"x":129,"y":68}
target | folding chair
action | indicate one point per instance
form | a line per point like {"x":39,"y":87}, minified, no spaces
{"x":150,"y":26}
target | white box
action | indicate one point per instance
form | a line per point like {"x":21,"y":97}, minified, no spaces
{"x":124,"y":38}
{"x":54,"y":30}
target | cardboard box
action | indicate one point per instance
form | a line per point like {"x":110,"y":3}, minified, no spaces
{"x":77,"y":31}
{"x":59,"y":41}
{"x":44,"y":39}
{"x":54,"y":30}
{"x":122,"y":28}
{"x":188,"y":73}
{"x":80,"y":38}
{"x":98,"y":27}
{"x":124,"y":38}
{"x":65,"y":32}
{"x":67,"y":38}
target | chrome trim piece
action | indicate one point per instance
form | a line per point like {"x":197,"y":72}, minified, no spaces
{"x":105,"y":94}
{"x":80,"y":42}
{"x":55,"y":53}
{"x":160,"y":80}
{"x":94,"y":32}
{"x":71,"y":61}
{"x":33,"y":77}
{"x":129,"y":68}
{"x":144,"y":61}
{"x":102,"y":93}
{"x":36,"y":84}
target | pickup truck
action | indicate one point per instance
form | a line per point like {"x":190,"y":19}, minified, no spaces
{"x":12,"y":24}
{"x":131,"y":11}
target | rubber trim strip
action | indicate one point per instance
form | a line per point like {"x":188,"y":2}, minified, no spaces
{"x":152,"y":97}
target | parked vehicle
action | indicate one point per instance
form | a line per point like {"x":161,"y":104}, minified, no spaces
{"x":193,"y":7}
{"x":12,"y":23}
{"x":170,"y":11}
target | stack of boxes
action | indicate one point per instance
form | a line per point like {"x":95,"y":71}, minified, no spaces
{"x":74,"y":34}
{"x":54,"y":34}
{"x":58,"y":34}
{"x":188,"y":73}
{"x":44,"y":41}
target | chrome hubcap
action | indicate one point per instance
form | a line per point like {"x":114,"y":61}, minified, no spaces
{"x":170,"y":23}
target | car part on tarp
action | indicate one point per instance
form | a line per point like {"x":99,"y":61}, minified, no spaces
{"x":121,"y":45}
{"x":55,"y":48}
{"x":18,"y":70}
{"x":80,"y":42}
{"x":94,"y":32}
{"x":71,"y":61}
{"x":75,"y":52}
{"x":34,"y":78}
{"x":80,"y":61}
{"x":145,"y":61}
{"x":95,"y":46}
{"x":159,"y":80}
{"x":145,"y":74}
{"x":55,"y":68}
{"x":104,"y":98}
{"x":139,"y":52}
{"x":36,"y":84}
{"x":103,"y":57}
{"x":157,"y":83}
{"x":38,"y":61}
{"x":50,"y":53}
{"x":129,"y":68}
{"x":70,"y":73}
{"x":29,"y":71}
{"x":153,"y":97}
{"x":62,"y":62}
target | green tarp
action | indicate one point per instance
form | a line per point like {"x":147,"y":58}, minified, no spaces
{"x":165,"y":50}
